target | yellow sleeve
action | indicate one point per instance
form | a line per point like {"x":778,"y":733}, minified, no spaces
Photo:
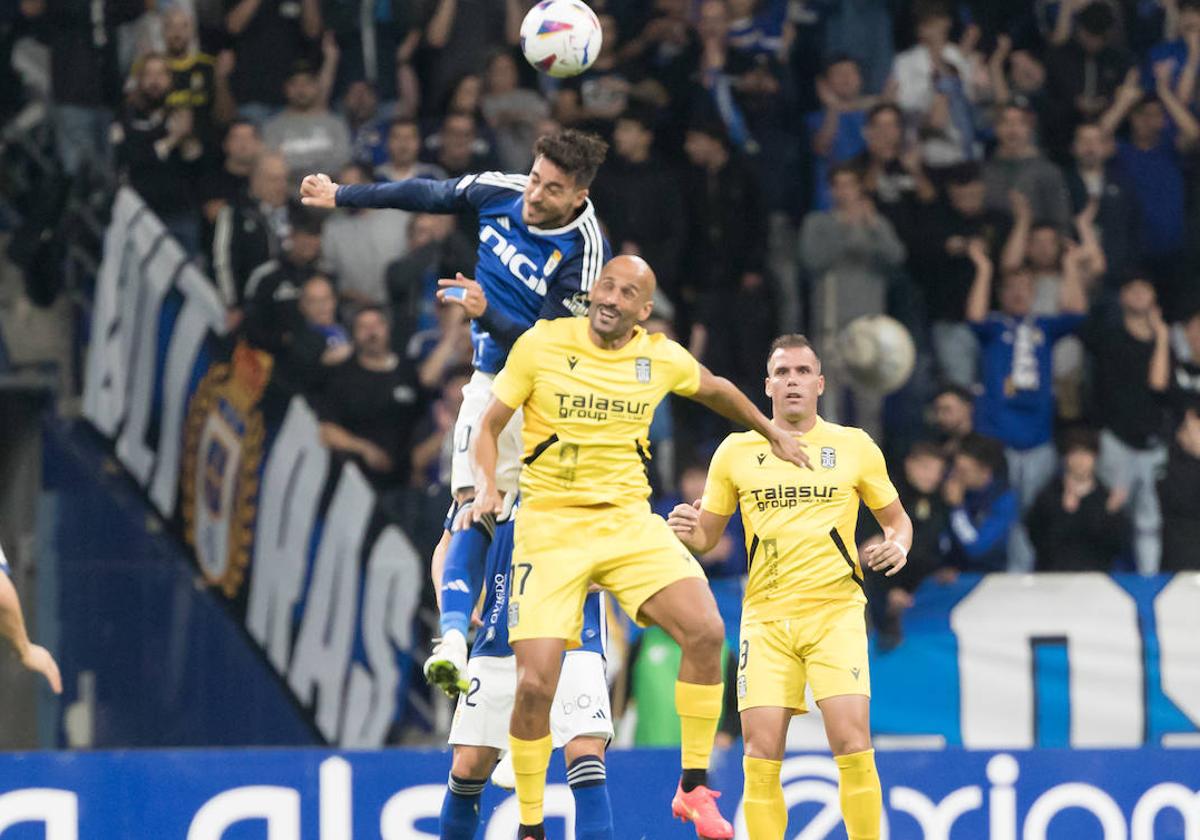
{"x":874,"y":486}
{"x":514,"y":383}
{"x":684,"y":369}
{"x":720,"y":494}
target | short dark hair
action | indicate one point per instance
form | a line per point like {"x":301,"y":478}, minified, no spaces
{"x":884,"y":107}
{"x":846,"y":167}
{"x":926,"y":449}
{"x":577,"y":153}
{"x":365,"y":308}
{"x":790,"y":340}
{"x":965,"y":173}
{"x":986,"y":450}
{"x":403,"y":121}
{"x":238,"y":122}
{"x":1097,"y":18}
{"x":640,"y":114}
{"x":304,"y":219}
{"x":925,"y":10}
{"x":1080,"y":437}
{"x":838,"y":58}
{"x":954,"y":390}
{"x":363,"y":169}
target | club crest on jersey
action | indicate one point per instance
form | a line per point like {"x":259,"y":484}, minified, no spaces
{"x":552,"y":263}
{"x":828,"y":457}
{"x":514,"y":614}
{"x":642,"y":367}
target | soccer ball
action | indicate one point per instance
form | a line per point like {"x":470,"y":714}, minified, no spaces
{"x":878,"y":353}
{"x":561,"y":37}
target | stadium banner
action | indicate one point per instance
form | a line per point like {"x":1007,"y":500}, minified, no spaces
{"x":1146,"y":794}
{"x":290,"y":535}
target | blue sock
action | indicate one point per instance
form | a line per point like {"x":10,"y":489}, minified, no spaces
{"x":463,"y":576}
{"x":593,"y":811}
{"x":460,"y":808}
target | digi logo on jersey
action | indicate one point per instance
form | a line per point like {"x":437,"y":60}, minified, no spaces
{"x":787,"y":496}
{"x":592,"y":407}
{"x":519,"y":265}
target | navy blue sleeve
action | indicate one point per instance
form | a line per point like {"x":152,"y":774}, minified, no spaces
{"x":978,"y":540}
{"x":1057,"y":326}
{"x":416,"y":194}
{"x":567,"y":293}
{"x":504,"y":329}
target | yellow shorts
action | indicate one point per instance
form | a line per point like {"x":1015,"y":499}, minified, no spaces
{"x":557,"y":552}
{"x":826,"y":647}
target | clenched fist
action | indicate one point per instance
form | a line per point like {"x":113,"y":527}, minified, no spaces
{"x":318,"y":191}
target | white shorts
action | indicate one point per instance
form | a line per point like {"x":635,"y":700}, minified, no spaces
{"x":580,"y":707}
{"x":476,"y":394}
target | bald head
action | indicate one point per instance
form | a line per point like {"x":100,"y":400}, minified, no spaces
{"x":178,"y":31}
{"x":621,"y":298}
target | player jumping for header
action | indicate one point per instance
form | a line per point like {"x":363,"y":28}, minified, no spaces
{"x":540,"y":252}
{"x":803,"y":619}
{"x":589,"y":389}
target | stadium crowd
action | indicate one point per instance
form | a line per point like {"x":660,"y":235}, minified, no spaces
{"x":1014,"y":180}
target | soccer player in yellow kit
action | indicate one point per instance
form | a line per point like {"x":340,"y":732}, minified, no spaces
{"x":589,"y":388}
{"x":803,"y":618}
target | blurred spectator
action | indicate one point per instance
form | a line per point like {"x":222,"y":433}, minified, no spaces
{"x":158,"y":153}
{"x":1131,"y":369}
{"x":1084,"y":73}
{"x":272,"y":289}
{"x":1184,"y":384}
{"x":1178,"y":490}
{"x":1018,"y":165}
{"x":359,"y":245}
{"x":850,"y":254}
{"x":442,"y":348}
{"x":858,"y":28}
{"x":460,"y":35}
{"x":84,"y":72}
{"x":457,"y":147}
{"x":1151,"y":159}
{"x":892,"y":173}
{"x":1017,"y":404}
{"x":920,"y":491}
{"x":838,"y":130}
{"x":309,"y":136}
{"x":666,"y":49}
{"x":945,"y":270}
{"x":1095,"y":178}
{"x":369,"y":406}
{"x":367,"y":123}
{"x":1182,"y":52}
{"x":637,"y":196}
{"x":953,"y":417}
{"x":248,"y":234}
{"x":229,"y":184}
{"x":1076,"y":523}
{"x":309,"y":340}
{"x":403,"y":151}
{"x":594,"y":99}
{"x":432,"y":454}
{"x":1018,"y":76}
{"x":512,"y":112}
{"x":723,"y":287}
{"x":269,"y":38}
{"x":194,"y":82}
{"x":436,"y":249}
{"x":933,"y":85}
{"x":983,"y":510}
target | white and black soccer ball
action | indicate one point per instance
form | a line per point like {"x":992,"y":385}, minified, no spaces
{"x":561,"y":37}
{"x":877,"y":353}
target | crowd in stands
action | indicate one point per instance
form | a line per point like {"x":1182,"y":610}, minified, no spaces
{"x":1017,"y":181}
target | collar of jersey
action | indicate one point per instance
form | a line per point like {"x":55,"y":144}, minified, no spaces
{"x":587,"y":214}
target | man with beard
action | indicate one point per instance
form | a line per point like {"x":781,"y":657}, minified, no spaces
{"x":193,"y":78}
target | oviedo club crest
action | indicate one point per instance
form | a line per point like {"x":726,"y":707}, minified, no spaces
{"x":223,"y":447}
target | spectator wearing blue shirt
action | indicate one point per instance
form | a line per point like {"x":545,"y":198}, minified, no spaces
{"x":1017,"y":405}
{"x":1183,"y":52}
{"x":983,"y":509}
{"x":1151,"y":160}
{"x":837,"y":130}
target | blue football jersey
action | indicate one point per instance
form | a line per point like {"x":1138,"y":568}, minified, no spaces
{"x":492,"y":638}
{"x":526,"y":272}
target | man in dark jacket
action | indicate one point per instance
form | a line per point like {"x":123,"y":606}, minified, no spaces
{"x":983,"y":510}
{"x":248,"y":234}
{"x":1179,"y":491}
{"x":1093,"y":177}
{"x":1076,"y":523}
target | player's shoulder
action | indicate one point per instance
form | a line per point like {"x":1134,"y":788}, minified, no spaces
{"x":849,"y":435}
{"x":501,"y":182}
{"x":736,"y":442}
{"x":548,"y":330}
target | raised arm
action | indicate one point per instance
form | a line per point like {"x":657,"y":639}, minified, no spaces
{"x":1127,"y":95}
{"x":487,"y":498}
{"x":1185,"y":90}
{"x":1160,"y":361}
{"x":720,"y":395}
{"x":1189,"y":129}
{"x":239,"y":17}
{"x":416,"y":194}
{"x":437,"y":32}
{"x":980,"y":297}
{"x":1017,"y":244}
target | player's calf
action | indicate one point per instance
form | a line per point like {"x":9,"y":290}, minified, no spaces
{"x":468,"y":777}
{"x":588,"y":779}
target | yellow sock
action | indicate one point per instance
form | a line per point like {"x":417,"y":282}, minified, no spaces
{"x":530,"y":760}
{"x":699,"y":708}
{"x":860,"y":794}
{"x":762,"y":799}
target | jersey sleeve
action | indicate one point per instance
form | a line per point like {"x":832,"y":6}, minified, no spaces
{"x":683,"y":367}
{"x":514,"y":383}
{"x":567,"y":293}
{"x":426,"y":195}
{"x":720,"y":494}
{"x":874,"y":486}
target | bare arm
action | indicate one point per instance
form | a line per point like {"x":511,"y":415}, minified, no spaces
{"x":513,"y":15}
{"x":224,"y":105}
{"x":1072,"y":296}
{"x":407,"y":84}
{"x":310,"y":18}
{"x":1017,"y":244}
{"x":999,"y":79}
{"x":437,"y":32}
{"x":981,"y":288}
{"x":239,"y":17}
{"x":822,"y":141}
{"x":1186,"y":89}
{"x":337,"y":437}
{"x":1189,"y":129}
{"x":1126,"y":96}
{"x":486,"y":447}
{"x":720,"y":395}
{"x":1062,"y":25}
{"x":330,"y":56}
{"x":891,"y":555}
{"x":1160,"y":361}
{"x":699,"y":530}
{"x":12,"y":626}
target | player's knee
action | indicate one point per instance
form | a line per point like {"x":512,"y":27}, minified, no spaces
{"x":472,"y":763}
{"x":705,"y":636}
{"x":535,"y":690}
{"x":849,"y":742}
{"x":760,"y":745}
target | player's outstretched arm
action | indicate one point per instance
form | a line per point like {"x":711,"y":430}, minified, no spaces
{"x":721,"y":396}
{"x":12,"y":625}
{"x":698,"y":529}
{"x":891,"y":555}
{"x":487,"y":498}
{"x":421,"y":195}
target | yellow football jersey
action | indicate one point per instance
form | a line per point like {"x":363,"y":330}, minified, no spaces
{"x":799,"y":523}
{"x":588,"y":410}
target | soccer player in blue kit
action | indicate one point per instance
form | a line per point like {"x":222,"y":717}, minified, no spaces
{"x":580,"y":720}
{"x":540,"y":250}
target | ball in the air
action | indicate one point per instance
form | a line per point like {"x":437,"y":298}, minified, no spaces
{"x":561,"y":37}
{"x":878,"y":353}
